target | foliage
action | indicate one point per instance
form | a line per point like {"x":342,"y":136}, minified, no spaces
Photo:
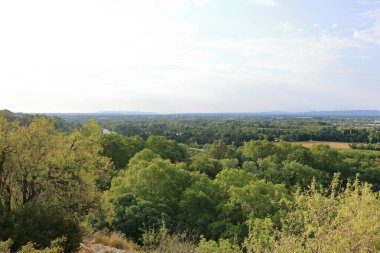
{"x":113,"y":239}
{"x":235,"y":129}
{"x":132,"y":214}
{"x":41,"y":224}
{"x":30,"y":247}
{"x":157,"y":180}
{"x":220,"y":246}
{"x":167,"y":149}
{"x":259,"y":198}
{"x":198,"y":205}
{"x":148,"y":191}
{"x":218,"y":150}
{"x":232,"y":185}
{"x":47,"y":180}
{"x":161,"y":241}
{"x":209,"y":166}
{"x":5,"y":246}
{"x":37,"y":163}
{"x":234,"y":177}
{"x":120,"y":148}
{"x":254,"y":150}
{"x":338,"y":220}
{"x":293,"y":174}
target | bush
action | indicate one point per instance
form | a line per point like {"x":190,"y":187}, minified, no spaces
{"x":41,"y":224}
{"x":160,"y":241}
{"x":30,"y":247}
{"x":322,"y":220}
{"x":4,"y":246}
{"x":221,"y":246}
{"x":114,"y":239}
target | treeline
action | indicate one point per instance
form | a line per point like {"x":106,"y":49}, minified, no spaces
{"x":261,"y":196}
{"x":197,"y":130}
{"x":237,"y":131}
{"x":366,"y":146}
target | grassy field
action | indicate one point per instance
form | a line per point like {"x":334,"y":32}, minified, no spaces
{"x":337,"y":145}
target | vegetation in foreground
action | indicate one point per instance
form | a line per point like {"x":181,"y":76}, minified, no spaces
{"x":57,"y":187}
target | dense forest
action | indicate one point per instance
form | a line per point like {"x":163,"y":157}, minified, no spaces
{"x":187,"y":185}
{"x":236,"y":129}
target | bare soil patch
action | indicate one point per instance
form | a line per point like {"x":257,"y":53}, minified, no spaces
{"x":337,"y":145}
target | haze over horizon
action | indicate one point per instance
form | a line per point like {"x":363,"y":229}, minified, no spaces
{"x":189,"y":55}
{"x":328,"y":113}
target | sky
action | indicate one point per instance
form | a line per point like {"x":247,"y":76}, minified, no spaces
{"x":176,"y":56}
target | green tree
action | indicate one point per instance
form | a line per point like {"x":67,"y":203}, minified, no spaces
{"x":37,"y":163}
{"x":259,"y":198}
{"x":199,"y":205}
{"x":291,"y":173}
{"x":254,"y":150}
{"x":133,"y":215}
{"x":234,"y":177}
{"x":326,"y":158}
{"x":41,"y":224}
{"x":155,"y":180}
{"x":230,"y":163}
{"x":120,"y":148}
{"x":218,"y":150}
{"x":206,"y":165}
{"x":321,"y":220}
{"x":167,"y":149}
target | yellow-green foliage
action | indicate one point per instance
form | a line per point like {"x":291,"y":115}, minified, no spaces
{"x":221,"y":246}
{"x":162,"y":242}
{"x":4,"y":246}
{"x":29,"y":247}
{"x":324,"y":221}
{"x":64,"y":167}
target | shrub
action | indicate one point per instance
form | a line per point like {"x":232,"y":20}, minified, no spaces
{"x":41,"y":224}
{"x":160,"y":241}
{"x":323,"y":220}
{"x":115,"y":240}
{"x":221,"y":246}
{"x":30,"y":247}
{"x":4,"y":246}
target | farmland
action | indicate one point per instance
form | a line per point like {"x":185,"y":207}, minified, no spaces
{"x":332,"y":144}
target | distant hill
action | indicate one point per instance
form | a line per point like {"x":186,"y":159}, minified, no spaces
{"x":11,"y":115}
{"x":100,"y":114}
{"x":123,"y":114}
{"x":350,"y":113}
{"x":313,"y":114}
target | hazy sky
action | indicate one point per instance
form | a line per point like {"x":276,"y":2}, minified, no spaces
{"x":189,"y":55}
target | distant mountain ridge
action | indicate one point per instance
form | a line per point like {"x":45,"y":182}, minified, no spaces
{"x":348,"y":113}
{"x":126,"y":113}
{"x":105,"y":113}
{"x":343,"y":113}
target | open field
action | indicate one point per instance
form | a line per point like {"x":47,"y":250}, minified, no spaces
{"x":337,"y":145}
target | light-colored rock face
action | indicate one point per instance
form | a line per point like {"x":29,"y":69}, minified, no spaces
{"x":89,"y":247}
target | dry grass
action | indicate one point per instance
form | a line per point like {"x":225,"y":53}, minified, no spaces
{"x":118,"y":241}
{"x":157,"y":242}
{"x":115,"y":240}
{"x":337,"y":145}
{"x":161,"y":241}
{"x":174,"y":244}
{"x":84,"y":250}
